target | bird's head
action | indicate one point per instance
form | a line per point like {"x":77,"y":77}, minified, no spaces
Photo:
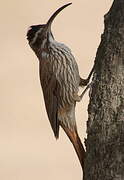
{"x":41,"y":34}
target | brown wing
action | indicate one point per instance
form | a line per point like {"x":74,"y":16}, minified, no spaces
{"x":49,"y":85}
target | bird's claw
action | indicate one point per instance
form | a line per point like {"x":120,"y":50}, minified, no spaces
{"x":83,"y":82}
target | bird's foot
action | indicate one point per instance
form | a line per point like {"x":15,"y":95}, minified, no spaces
{"x":83,"y":82}
{"x":79,"y":98}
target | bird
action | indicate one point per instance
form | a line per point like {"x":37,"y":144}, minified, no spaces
{"x":60,"y":81}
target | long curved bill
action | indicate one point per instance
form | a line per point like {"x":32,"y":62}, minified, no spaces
{"x":48,"y":25}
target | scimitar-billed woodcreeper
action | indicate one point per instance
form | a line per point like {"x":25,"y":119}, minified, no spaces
{"x":60,"y":81}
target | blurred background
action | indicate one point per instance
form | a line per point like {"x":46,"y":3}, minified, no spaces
{"x":28,"y":149}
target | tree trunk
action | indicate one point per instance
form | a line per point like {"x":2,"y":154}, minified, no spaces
{"x":105,"y":126}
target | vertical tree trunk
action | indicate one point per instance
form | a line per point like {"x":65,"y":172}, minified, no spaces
{"x":105,"y":126}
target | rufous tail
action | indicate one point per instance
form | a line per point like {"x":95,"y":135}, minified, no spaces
{"x":78,"y":146}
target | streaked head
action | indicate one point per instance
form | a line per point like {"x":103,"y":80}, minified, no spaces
{"x":33,"y":30}
{"x":37,"y":33}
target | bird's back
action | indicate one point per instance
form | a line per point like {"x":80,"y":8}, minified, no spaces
{"x":59,"y":77}
{"x":59,"y":64}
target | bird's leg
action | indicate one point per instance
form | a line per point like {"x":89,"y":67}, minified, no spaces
{"x":84,"y":82}
{"x":88,"y":86}
{"x":78,"y":146}
{"x":79,"y":98}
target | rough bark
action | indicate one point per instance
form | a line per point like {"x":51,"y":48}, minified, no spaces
{"x":105,"y":126}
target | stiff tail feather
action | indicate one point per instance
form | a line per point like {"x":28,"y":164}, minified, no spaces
{"x":78,"y":146}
